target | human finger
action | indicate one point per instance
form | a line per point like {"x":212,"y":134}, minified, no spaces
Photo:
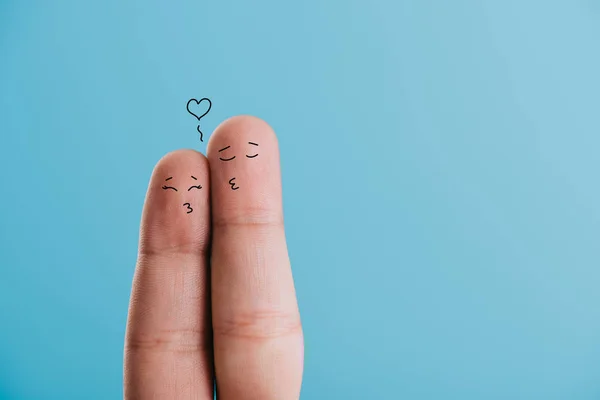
{"x":168,"y":346}
{"x":258,"y":339}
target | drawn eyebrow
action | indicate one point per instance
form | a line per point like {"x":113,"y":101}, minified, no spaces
{"x":254,"y":144}
{"x":224,"y":148}
{"x":193,"y":177}
{"x":169,"y":178}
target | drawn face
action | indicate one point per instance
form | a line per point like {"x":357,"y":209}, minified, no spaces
{"x":251,"y":152}
{"x":168,"y":186}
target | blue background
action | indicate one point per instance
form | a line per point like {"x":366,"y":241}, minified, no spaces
{"x":440,"y":164}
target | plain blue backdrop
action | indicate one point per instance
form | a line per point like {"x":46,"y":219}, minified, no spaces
{"x":440,"y":165}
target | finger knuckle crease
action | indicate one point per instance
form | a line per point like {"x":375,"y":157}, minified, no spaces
{"x":169,"y":340}
{"x":259,"y":325}
{"x":255,"y":217}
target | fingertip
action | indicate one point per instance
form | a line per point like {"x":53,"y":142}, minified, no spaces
{"x":178,"y":158}
{"x":240,"y":126}
{"x":177,"y":207}
{"x":244,"y":164}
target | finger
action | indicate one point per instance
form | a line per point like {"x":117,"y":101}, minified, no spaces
{"x":168,"y":351}
{"x":258,"y":340}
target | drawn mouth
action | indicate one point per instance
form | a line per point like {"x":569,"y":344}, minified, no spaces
{"x":233,"y":185}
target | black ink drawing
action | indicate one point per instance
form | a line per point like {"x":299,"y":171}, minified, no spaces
{"x":196,"y":186}
{"x":225,"y":159}
{"x":188,"y":205}
{"x":256,"y":155}
{"x":233,"y":184}
{"x":165,"y":187}
{"x":199,"y":117}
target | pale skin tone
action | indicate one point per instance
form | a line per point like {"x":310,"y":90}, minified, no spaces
{"x":213,"y":296}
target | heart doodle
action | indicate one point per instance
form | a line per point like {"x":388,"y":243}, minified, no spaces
{"x":198,"y":104}
{"x":195,"y":115}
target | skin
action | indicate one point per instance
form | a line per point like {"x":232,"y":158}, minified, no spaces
{"x":213,"y":296}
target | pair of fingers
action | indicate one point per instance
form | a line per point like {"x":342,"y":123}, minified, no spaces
{"x":213,"y":297}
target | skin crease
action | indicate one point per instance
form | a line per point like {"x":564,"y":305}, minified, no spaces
{"x":234,"y":317}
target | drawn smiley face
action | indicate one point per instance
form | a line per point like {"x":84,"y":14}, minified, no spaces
{"x":253,"y":154}
{"x":188,"y":206}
